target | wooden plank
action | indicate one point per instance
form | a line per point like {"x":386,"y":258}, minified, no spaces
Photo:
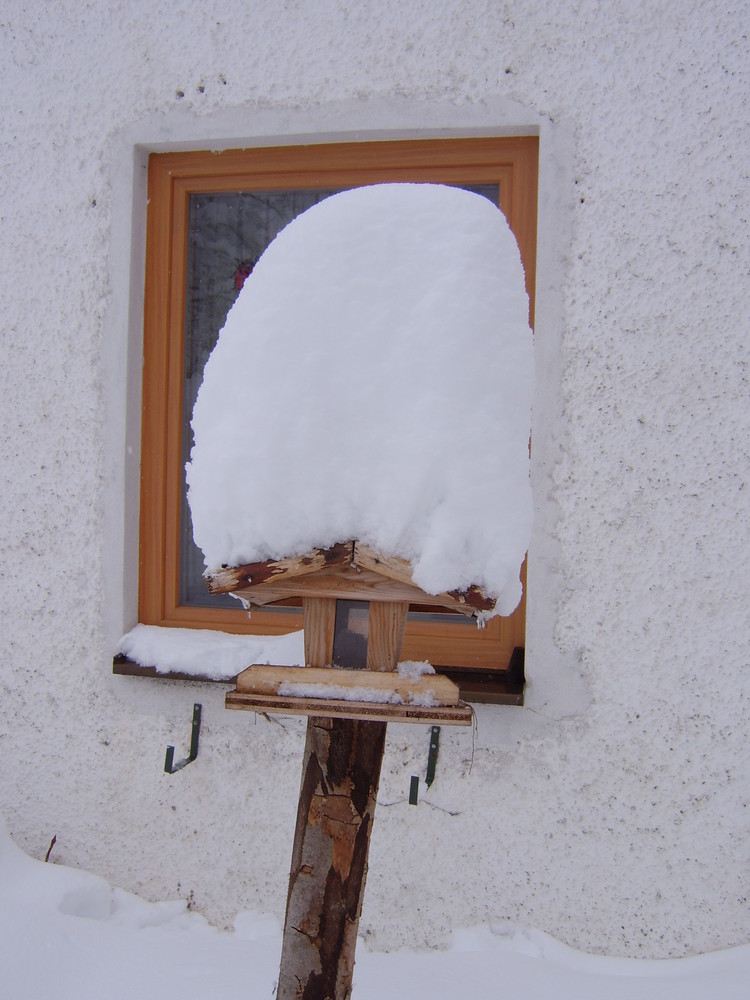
{"x":468,"y":601}
{"x":391,"y":566}
{"x":238,"y":578}
{"x":381,"y":577}
{"x":345,"y":582}
{"x":386,"y":634}
{"x":264,"y":679}
{"x":443,"y":715}
{"x":155,"y":403}
{"x":327,"y":165}
{"x":320,"y":624}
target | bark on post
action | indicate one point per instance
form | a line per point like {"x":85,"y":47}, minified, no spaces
{"x":340,"y":775}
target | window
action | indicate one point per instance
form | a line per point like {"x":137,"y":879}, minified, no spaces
{"x":210,"y":215}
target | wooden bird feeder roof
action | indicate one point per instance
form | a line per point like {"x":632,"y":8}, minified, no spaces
{"x":347,"y":571}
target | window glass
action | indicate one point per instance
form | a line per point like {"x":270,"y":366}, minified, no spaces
{"x":227,"y":233}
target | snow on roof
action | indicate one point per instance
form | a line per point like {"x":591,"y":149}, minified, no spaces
{"x":373,"y":381}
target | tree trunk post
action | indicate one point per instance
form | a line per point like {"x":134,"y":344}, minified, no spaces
{"x":340,"y":775}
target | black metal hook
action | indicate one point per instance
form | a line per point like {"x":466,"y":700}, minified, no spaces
{"x":431,"y":764}
{"x":169,"y":766}
{"x":433,"y":755}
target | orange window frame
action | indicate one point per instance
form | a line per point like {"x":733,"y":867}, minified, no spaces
{"x":511,"y":163}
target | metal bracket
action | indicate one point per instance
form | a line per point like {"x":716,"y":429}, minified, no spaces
{"x":414,"y":791}
{"x":431,"y":763}
{"x":169,"y":766}
{"x":433,"y":754}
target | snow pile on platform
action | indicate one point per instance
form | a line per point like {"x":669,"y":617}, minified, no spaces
{"x":68,"y":934}
{"x":338,"y":692}
{"x":373,"y":381}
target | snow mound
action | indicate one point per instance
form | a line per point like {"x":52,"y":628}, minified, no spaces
{"x":208,"y":653}
{"x":373,"y":381}
{"x":414,"y":668}
{"x":67,"y":933}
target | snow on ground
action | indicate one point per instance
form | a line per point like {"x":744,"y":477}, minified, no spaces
{"x":67,"y":935}
{"x":373,"y":381}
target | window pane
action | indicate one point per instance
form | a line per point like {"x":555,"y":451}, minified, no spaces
{"x":227,"y":233}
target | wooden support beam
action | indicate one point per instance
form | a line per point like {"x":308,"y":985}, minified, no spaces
{"x":386,"y":634}
{"x":340,"y":776}
{"x":319,"y":617}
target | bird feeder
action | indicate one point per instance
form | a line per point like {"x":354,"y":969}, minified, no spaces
{"x":348,"y":708}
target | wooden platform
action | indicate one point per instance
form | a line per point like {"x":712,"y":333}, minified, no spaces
{"x":382,"y":696}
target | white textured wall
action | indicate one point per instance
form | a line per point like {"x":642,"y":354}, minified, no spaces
{"x":613,"y":812}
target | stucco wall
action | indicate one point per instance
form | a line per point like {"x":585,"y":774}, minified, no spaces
{"x":612,"y":811}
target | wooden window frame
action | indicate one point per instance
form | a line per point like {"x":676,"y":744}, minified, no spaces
{"x":512,"y":163}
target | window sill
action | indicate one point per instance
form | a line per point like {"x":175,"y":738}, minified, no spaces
{"x":478,"y":687}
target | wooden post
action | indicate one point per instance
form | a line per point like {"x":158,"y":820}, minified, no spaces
{"x":340,"y":775}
